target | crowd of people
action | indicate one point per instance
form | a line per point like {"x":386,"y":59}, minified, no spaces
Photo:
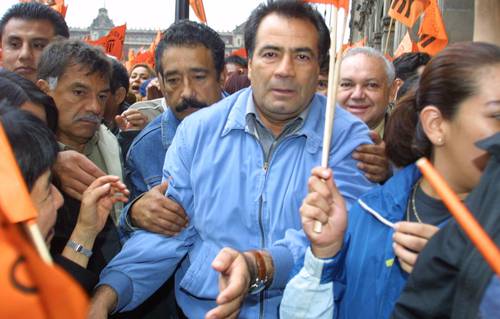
{"x":191,"y":188}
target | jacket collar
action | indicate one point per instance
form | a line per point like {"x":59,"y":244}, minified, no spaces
{"x":169,"y":124}
{"x":237,"y":118}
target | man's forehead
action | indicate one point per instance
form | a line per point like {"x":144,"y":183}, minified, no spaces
{"x":177,"y":58}
{"x":278,"y":30}
{"x":39,"y":28}
{"x":78,"y":74}
{"x":363,"y":66}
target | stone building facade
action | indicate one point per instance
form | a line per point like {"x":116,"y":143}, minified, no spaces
{"x":142,"y":38}
{"x":370,"y":20}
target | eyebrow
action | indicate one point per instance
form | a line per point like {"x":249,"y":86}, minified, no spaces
{"x":194,"y":69}
{"x":295,"y":50}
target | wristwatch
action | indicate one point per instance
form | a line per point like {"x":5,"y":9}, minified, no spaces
{"x":79,"y":248}
{"x":261,"y":279}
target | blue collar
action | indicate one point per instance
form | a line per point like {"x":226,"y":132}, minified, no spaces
{"x":169,"y":125}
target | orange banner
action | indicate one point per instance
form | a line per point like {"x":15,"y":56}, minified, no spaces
{"x":341,"y":4}
{"x":198,"y":9}
{"x":113,"y":41}
{"x":432,"y":32}
{"x":407,"y":11}
{"x":406,"y":46}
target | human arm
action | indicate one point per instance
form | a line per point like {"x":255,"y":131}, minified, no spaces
{"x":153,"y":90}
{"x":237,"y":271}
{"x":157,"y":213}
{"x":96,"y":204}
{"x":373,"y":160}
{"x":410,"y":239}
{"x":75,"y":172}
{"x":308,"y":294}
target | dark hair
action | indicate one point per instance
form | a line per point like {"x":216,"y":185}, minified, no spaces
{"x":409,"y":84}
{"x":236,"y":82}
{"x":59,"y":55}
{"x":11,"y":83}
{"x":189,"y":33}
{"x":288,"y":9}
{"x":35,"y":11}
{"x":119,"y":76}
{"x":34,"y":145}
{"x":448,"y":79}
{"x":407,"y":64}
{"x":236,"y":59}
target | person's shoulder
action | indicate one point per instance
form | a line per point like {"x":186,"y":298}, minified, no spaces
{"x":216,"y":114}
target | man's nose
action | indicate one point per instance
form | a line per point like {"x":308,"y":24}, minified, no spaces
{"x":286,"y":67}
{"x":26,"y":52}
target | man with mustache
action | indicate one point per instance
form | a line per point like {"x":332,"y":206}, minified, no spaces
{"x":239,"y":168}
{"x":25,"y":30}
{"x":189,"y":63}
{"x":77,"y":77}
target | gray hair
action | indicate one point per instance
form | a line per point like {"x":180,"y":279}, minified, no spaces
{"x":371,"y":52}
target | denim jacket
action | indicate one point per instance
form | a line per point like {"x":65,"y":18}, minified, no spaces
{"x":234,"y":197}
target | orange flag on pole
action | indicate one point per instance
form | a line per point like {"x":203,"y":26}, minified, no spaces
{"x":338,"y":3}
{"x":199,"y":9}
{"x":432,"y":32}
{"x":407,"y":11}
{"x":406,"y":46}
{"x":113,"y":41}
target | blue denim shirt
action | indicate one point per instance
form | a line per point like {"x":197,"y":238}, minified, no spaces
{"x":146,"y":155}
{"x":218,"y":173}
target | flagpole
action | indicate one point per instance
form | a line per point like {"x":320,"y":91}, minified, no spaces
{"x":388,"y":35}
{"x":333,"y":79}
{"x":390,"y":28}
{"x":38,"y":241}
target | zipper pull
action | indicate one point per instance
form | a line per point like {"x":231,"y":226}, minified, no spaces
{"x":266,"y":166}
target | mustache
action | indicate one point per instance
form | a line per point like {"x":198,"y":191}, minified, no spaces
{"x":189,"y":102}
{"x":89,"y":118}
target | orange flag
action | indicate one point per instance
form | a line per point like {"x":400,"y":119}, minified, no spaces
{"x":29,"y":287}
{"x":406,"y":46}
{"x":338,"y":3}
{"x":155,"y":42}
{"x":198,"y":9}
{"x":407,"y":11}
{"x":346,"y":47}
{"x":146,"y":57}
{"x":240,"y":52}
{"x":432,"y":32}
{"x":113,"y":41}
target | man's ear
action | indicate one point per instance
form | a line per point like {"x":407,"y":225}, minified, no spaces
{"x":393,"y":90}
{"x":43,"y":85}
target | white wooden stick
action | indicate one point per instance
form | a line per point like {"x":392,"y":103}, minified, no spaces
{"x":333,"y":81}
{"x":38,"y":241}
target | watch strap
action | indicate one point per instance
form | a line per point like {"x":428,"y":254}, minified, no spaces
{"x":79,"y":248}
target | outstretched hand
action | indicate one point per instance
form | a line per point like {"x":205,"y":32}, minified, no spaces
{"x":234,"y":281}
{"x":97,"y":202}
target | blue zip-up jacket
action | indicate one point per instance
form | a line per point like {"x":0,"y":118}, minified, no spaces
{"x":217,"y":172}
{"x":367,"y":277}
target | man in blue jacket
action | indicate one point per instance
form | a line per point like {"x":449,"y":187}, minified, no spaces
{"x":239,"y":169}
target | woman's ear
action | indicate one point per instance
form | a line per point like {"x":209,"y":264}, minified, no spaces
{"x":434,"y":125}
